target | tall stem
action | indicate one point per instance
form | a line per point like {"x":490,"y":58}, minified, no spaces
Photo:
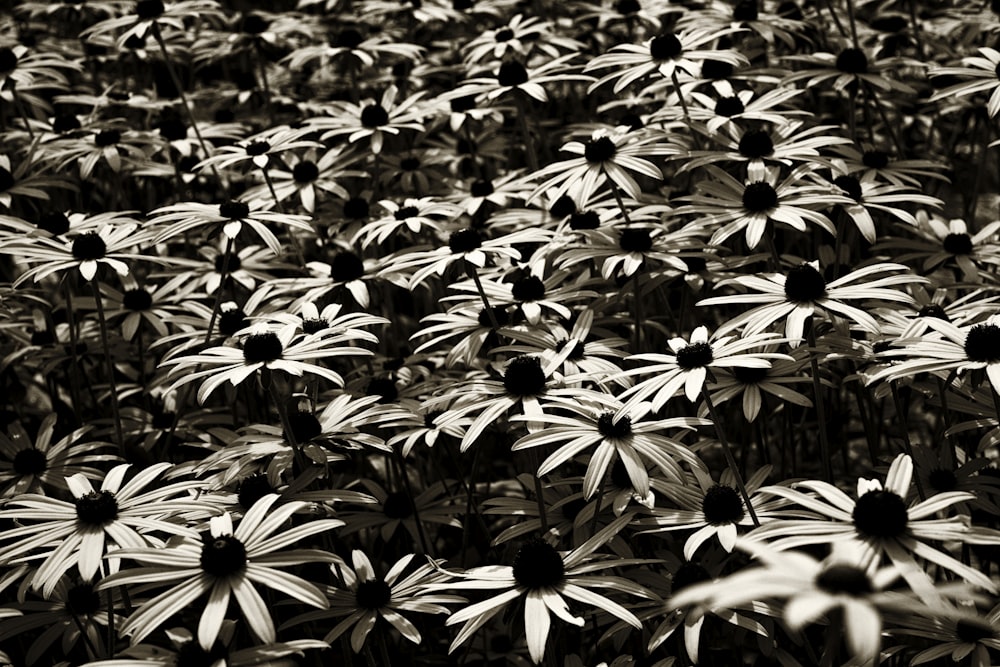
{"x":471,"y":270}
{"x":522,"y":123}
{"x":684,"y":107}
{"x":824,"y":440}
{"x":112,"y":384}
{"x":907,"y":445}
{"x":728,"y":451}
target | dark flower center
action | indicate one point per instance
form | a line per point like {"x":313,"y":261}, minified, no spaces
{"x":665,"y":47}
{"x":934,"y":310}
{"x":499,"y":312}
{"x":722,"y":504}
{"x":528,"y":289}
{"x":463,"y":104}
{"x":538,"y":565}
{"x":756,"y":144}
{"x":137,"y":299}
{"x":356,"y":208}
{"x":173,"y":129}
{"x":232,"y":264}
{"x":149,"y":9}
{"x":850,"y":185}
{"x":255,"y":148}
{"x":254,"y":24}
{"x":852,"y":61}
{"x":688,"y":574}
{"x":82,"y":600}
{"x":252,"y":489}
{"x":373,"y":594}
{"x":406,"y":212}
{"x":844,"y":579}
{"x":748,"y":375}
{"x":347,"y":39}
{"x":982,"y":343}
{"x":875,"y":159}
{"x":481,"y":189}
{"x":234,"y":210}
{"x":30,"y":461}
{"x":54,"y":223}
{"x":695,"y":355}
{"x":716,"y":70}
{"x":262,"y":347}
{"x":610,"y":428}
{"x":8,"y":59}
{"x":231,"y":321}
{"x":942,"y":480}
{"x":65,"y":122}
{"x":504,"y":35}
{"x":430,"y":417}
{"x":524,"y":377}
{"x":346,"y":266}
{"x":107,"y":138}
{"x":97,"y":508}
{"x":880,"y":514}
{"x":626,"y":7}
{"x":222,"y":556}
{"x":584,"y":220}
{"x":804,"y":284}
{"x":465,"y":240}
{"x":893,"y":23}
{"x":745,"y":10}
{"x":562,"y":207}
{"x":397,"y":505}
{"x":635,"y":240}
{"x":409,"y":164}
{"x":729,"y":106}
{"x":512,"y":73}
{"x":374,"y":115}
{"x":759,"y":197}
{"x":599,"y":150}
{"x":89,"y":246}
{"x":958,"y":244}
{"x":304,"y":425}
{"x":972,"y":631}
{"x":305,"y":172}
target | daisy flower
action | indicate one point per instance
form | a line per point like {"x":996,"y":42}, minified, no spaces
{"x":261,"y":149}
{"x":809,"y":589}
{"x":804,"y":291}
{"x":959,"y":632}
{"x":223,"y":563}
{"x":351,"y":42}
{"x":980,"y":73}
{"x":544,"y":578}
{"x":789,"y":143}
{"x":869,"y":196}
{"x":96,"y":522}
{"x":152,"y":15}
{"x":511,"y":77}
{"x":367,"y":598}
{"x":398,"y":509}
{"x":474,"y":326}
{"x":850,"y":66}
{"x":608,"y":431}
{"x":609,"y":155}
{"x":414,"y":214}
{"x":373,"y":119}
{"x":514,"y":38}
{"x":711,"y":509}
{"x":954,"y":348}
{"x":885,"y":523}
{"x":110,"y":246}
{"x":264,"y":348}
{"x":689,"y":362}
{"x":755,"y":383}
{"x":725,"y":206}
{"x":941,"y":242}
{"x":730,"y":106}
{"x":308,"y":176}
{"x":35,"y":465}
{"x":664,"y":54}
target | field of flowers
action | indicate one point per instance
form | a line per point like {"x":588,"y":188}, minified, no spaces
{"x":499,"y":332}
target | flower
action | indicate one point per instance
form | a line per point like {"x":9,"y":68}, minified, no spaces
{"x":512,"y":77}
{"x":224,"y":563}
{"x":959,"y":632}
{"x":370,"y":119}
{"x":366,"y":598}
{"x":544,"y":578}
{"x":803,"y":291}
{"x":261,"y":149}
{"x":263,"y":348}
{"x":980,"y":73}
{"x":394,"y":509}
{"x":79,"y":533}
{"x":688,"y":365}
{"x":942,"y":242}
{"x":884,"y":522}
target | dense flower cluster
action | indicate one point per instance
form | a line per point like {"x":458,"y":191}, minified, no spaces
{"x":412,"y":332}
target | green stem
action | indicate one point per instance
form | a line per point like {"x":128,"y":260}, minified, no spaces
{"x":112,"y":384}
{"x":730,"y":460}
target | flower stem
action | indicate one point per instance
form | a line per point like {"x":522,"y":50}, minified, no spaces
{"x":907,"y":445}
{"x":522,"y":123}
{"x":730,"y":460}
{"x":401,"y":464}
{"x":471,"y":270}
{"x":112,"y":385}
{"x":684,"y":108}
{"x":824,"y":440}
